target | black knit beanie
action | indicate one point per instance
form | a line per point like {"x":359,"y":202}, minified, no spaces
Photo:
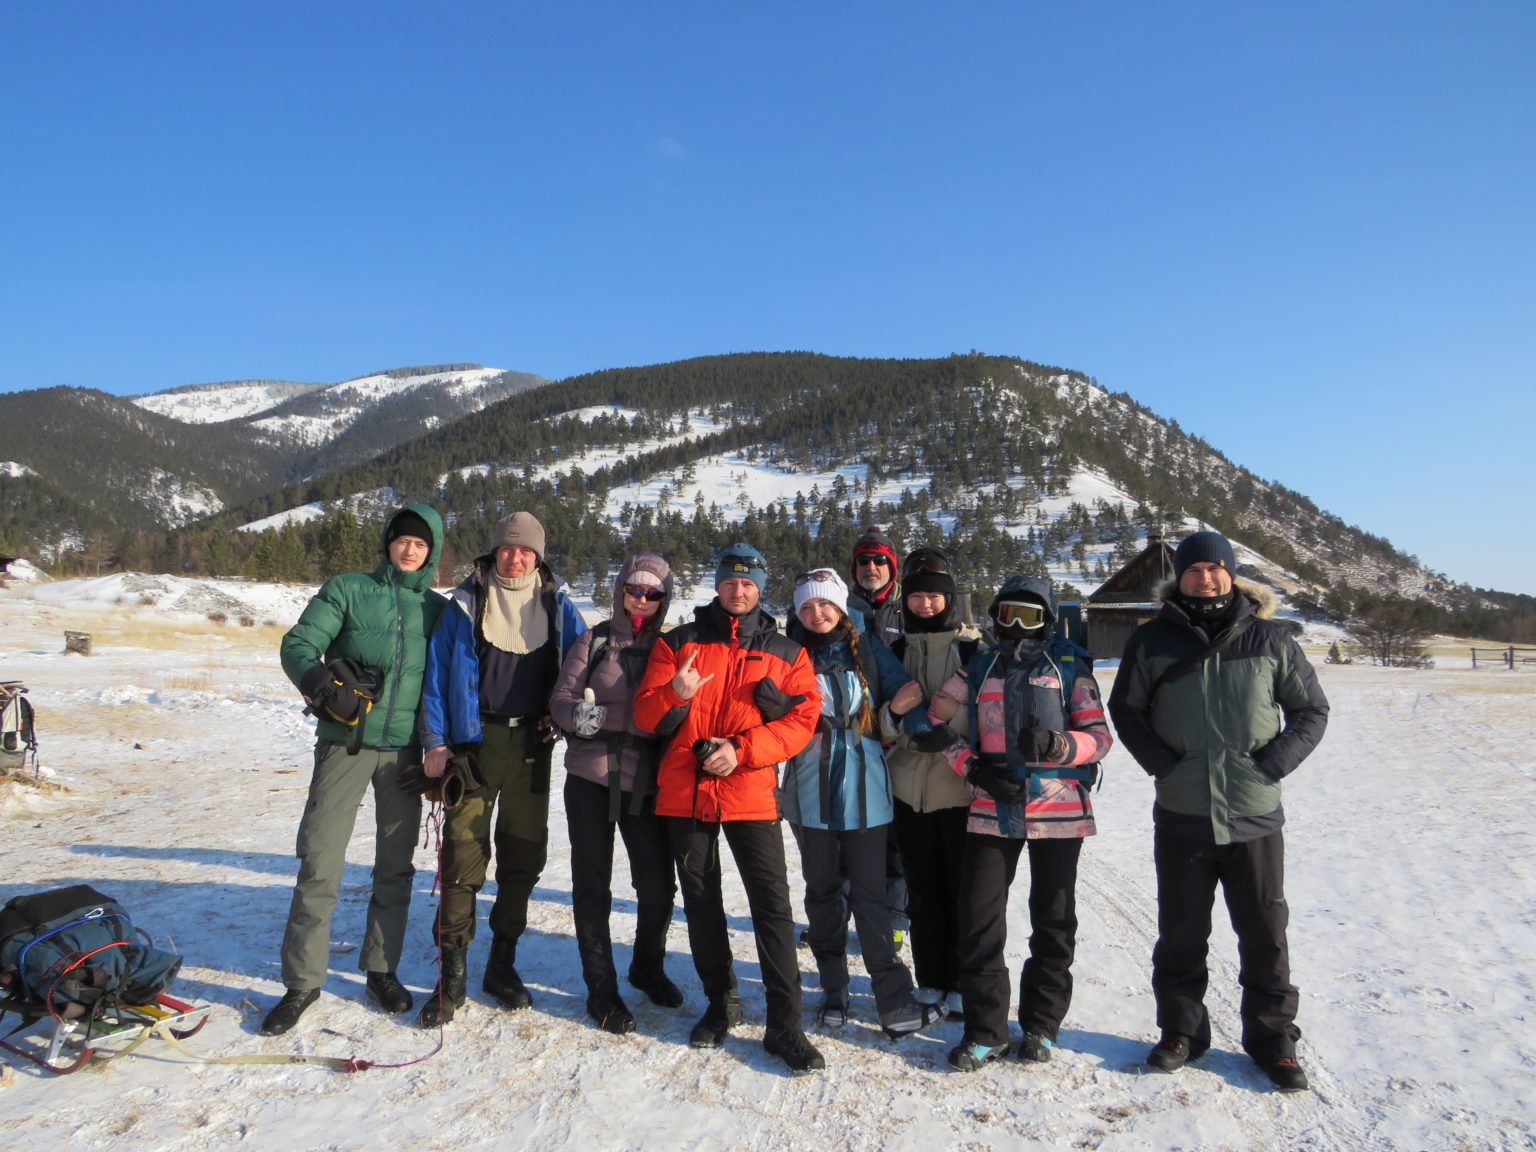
{"x":1203,"y":548}
{"x":407,"y":523}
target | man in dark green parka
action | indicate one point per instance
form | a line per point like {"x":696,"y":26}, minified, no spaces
{"x":380,"y":621}
{"x":1217,"y":703}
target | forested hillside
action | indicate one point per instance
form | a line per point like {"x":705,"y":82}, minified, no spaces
{"x":973,"y":452}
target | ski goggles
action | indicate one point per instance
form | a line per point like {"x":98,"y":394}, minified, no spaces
{"x":741,"y":564}
{"x":925,"y":562}
{"x":643,"y":592}
{"x":864,"y":558}
{"x":1020,"y":614}
{"x":817,"y":577}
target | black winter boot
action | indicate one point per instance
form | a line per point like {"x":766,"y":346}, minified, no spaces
{"x":452,"y":989}
{"x":286,"y":1012}
{"x":611,"y":1014}
{"x":657,"y":987}
{"x":719,"y":1018}
{"x":501,"y":978}
{"x":794,"y":1048}
{"x":385,"y":989}
{"x":1285,"y":1074}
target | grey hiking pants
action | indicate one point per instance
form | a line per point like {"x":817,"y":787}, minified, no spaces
{"x":335,"y":792}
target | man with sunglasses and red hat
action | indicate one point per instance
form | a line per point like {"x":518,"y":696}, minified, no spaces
{"x":874,"y":588}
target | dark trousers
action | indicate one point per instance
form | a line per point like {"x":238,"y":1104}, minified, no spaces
{"x":515,"y":764}
{"x":757,"y":846}
{"x":895,"y":886}
{"x":1252,"y":879}
{"x":1045,"y":989}
{"x":931,"y":844}
{"x":650,"y":869}
{"x":829,"y":861}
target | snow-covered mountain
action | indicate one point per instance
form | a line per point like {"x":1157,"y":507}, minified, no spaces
{"x":215,"y":403}
{"x":1008,"y":464}
{"x":83,"y":465}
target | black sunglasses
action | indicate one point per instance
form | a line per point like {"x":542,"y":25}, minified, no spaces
{"x":643,"y":592}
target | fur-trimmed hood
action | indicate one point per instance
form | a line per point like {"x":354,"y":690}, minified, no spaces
{"x":1267,"y":603}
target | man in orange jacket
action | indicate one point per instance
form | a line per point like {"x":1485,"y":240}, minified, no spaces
{"x":736,"y":698}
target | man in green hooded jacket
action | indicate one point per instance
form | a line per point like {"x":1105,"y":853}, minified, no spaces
{"x":375,"y":624}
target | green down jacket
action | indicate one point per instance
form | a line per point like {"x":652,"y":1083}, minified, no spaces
{"x":380,"y":619}
{"x":1219,"y":738}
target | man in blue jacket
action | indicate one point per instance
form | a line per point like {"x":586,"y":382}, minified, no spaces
{"x":491,"y":667}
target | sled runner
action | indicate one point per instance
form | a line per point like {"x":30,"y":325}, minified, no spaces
{"x":68,"y":1044}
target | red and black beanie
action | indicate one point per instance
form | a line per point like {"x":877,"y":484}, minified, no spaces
{"x":873,"y":540}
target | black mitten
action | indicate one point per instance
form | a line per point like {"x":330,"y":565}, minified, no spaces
{"x":996,"y":783}
{"x":773,"y":702}
{"x":1042,"y":746}
{"x":934,"y":739}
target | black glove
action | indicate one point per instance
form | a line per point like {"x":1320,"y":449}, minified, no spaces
{"x":342,"y":690}
{"x":773,"y":702}
{"x":934,"y":739}
{"x":1042,"y":746}
{"x":997,"y":784}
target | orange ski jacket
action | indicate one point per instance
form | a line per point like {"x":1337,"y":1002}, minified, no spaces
{"x":740,"y":652}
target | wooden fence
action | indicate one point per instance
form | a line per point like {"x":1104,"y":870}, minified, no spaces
{"x":1510,"y":658}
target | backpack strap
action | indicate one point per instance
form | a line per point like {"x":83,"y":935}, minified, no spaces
{"x":600,"y":635}
{"x":1182,"y":668}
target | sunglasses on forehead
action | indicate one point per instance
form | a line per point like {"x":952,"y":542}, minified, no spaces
{"x":879,"y":558}
{"x":817,"y":577}
{"x":643,"y":592}
{"x":1022,"y":614}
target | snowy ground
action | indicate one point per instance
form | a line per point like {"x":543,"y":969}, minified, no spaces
{"x":186,"y":758}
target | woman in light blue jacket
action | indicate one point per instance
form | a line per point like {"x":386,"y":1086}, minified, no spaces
{"x":837,"y":798}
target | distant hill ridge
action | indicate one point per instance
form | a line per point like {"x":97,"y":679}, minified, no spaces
{"x":995,"y":457}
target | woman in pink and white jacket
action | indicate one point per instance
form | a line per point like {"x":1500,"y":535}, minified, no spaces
{"x":1037,"y":735}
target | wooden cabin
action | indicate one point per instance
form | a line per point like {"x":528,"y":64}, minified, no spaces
{"x":1127,"y":599}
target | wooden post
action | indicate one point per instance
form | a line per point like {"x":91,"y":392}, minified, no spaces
{"x":77,"y":642}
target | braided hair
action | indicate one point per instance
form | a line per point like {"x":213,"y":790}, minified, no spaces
{"x":866,"y":709}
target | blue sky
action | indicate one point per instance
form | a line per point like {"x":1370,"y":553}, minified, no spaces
{"x":1304,"y":231}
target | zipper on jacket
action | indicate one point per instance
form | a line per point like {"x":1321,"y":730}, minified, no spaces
{"x":394,"y":681}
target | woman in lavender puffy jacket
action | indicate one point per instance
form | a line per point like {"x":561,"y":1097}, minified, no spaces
{"x":610,"y":782}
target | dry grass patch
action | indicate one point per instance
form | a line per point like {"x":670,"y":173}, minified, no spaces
{"x":132,"y":631}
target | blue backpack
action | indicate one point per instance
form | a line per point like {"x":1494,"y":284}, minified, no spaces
{"x":75,"y":945}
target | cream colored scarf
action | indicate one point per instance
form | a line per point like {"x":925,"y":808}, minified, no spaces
{"x":515,"y":619}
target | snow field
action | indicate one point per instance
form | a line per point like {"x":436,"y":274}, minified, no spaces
{"x":1411,"y":883}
